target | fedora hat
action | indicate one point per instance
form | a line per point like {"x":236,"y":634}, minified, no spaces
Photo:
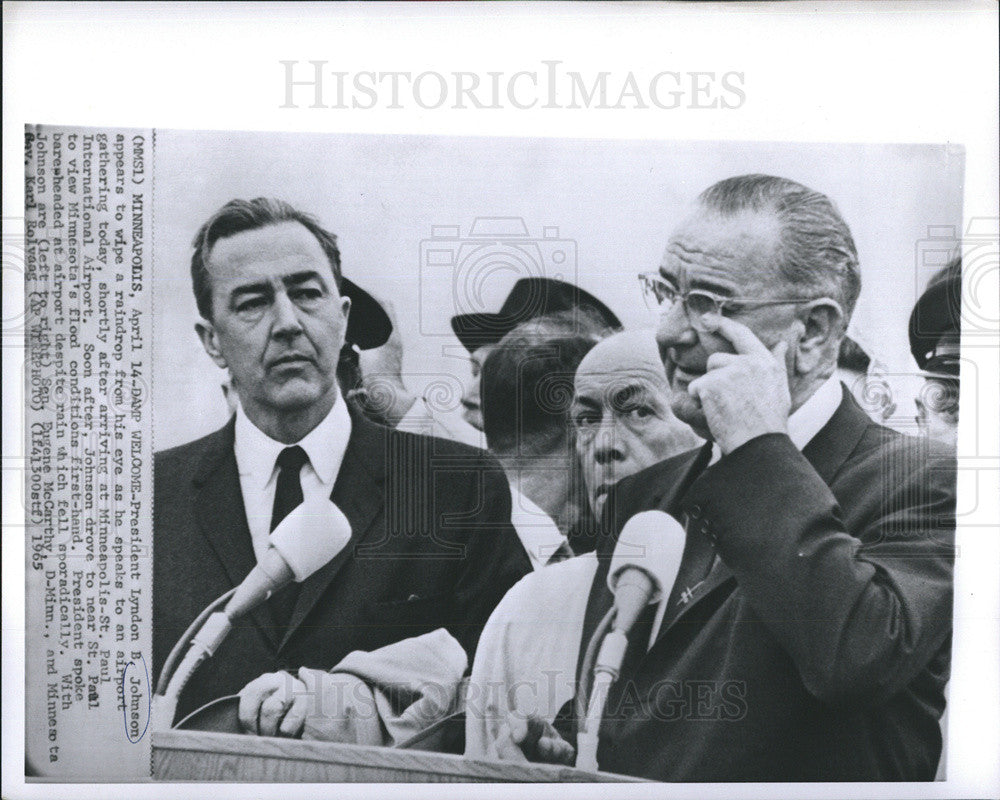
{"x":528,"y":299}
{"x":368,"y":326}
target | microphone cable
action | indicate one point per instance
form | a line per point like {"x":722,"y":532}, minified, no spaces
{"x":589,"y":657}
{"x":170,"y":664}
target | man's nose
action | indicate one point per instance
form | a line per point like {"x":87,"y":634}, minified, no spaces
{"x":607,"y":446}
{"x":286,"y":316}
{"x":471,"y":395}
{"x":674,"y":329}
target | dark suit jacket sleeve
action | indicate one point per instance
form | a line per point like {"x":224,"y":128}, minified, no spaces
{"x":494,"y":559}
{"x":860,"y":605}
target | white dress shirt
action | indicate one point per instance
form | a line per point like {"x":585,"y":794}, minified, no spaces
{"x":256,"y":460}
{"x":537,"y":531}
{"x":803,"y":424}
{"x":809,"y":418}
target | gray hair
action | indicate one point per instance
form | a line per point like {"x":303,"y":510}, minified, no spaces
{"x":816,"y":249}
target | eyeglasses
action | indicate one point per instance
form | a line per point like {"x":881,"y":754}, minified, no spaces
{"x":700,"y":306}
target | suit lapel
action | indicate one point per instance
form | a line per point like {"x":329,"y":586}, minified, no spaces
{"x":829,"y":449}
{"x":358,"y":492}
{"x":826,"y":452}
{"x":693,"y":592}
{"x":221,"y":515}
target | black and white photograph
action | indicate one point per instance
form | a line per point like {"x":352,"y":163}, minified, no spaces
{"x":383,"y":456}
{"x":693,"y":362}
{"x":632,"y":456}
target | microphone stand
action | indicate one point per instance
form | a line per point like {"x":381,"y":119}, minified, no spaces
{"x":631,"y":596}
{"x":587,"y":725}
{"x":205,"y":635}
{"x":307,"y":538}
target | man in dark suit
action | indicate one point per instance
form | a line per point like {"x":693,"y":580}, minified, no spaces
{"x":430,"y":538}
{"x":808,"y":634}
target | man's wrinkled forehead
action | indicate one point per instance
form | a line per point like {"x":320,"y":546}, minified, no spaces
{"x":270,"y":252}
{"x":626,"y":350}
{"x":725,"y":248}
{"x":604,"y":386}
{"x":631,"y":357}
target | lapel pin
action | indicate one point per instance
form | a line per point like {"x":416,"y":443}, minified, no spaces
{"x":688,"y":594}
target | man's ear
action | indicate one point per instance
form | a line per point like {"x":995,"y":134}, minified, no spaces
{"x":209,"y":340}
{"x":823,"y":327}
{"x":345,"y":310}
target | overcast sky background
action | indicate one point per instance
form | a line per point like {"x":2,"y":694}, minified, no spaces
{"x":613,"y":202}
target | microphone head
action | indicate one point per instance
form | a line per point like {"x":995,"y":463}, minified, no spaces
{"x":311,"y":535}
{"x":652,"y":541}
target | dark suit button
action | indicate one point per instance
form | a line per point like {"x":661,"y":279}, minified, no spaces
{"x":694,"y":512}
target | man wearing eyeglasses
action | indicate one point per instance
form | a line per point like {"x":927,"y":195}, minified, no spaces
{"x":807,"y":635}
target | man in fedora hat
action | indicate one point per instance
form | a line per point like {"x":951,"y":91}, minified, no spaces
{"x":528,"y":299}
{"x":935,"y":342}
{"x":430,"y":543}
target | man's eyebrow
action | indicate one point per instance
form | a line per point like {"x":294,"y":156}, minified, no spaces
{"x":666,"y":275}
{"x":709,"y":285}
{"x":628,"y":392}
{"x":705,"y":284}
{"x":587,"y":402}
{"x":296,"y":278}
{"x":260,"y":287}
{"x":669,"y":271}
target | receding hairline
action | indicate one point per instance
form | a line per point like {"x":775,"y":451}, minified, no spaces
{"x":811,"y":230}
{"x":763,"y":226}
{"x":243,"y":216}
{"x":207,"y":257}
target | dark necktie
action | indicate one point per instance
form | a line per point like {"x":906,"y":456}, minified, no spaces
{"x":562,"y":553}
{"x":287,"y":495}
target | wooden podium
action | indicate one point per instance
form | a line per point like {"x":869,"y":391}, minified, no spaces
{"x":186,"y":755}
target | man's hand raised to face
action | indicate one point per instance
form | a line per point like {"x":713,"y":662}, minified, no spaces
{"x":743,"y":394}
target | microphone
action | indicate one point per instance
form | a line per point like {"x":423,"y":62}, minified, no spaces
{"x":308,"y":538}
{"x":643,"y":569}
{"x":644,"y":565}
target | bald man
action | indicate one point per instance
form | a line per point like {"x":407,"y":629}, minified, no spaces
{"x":623,"y":424}
{"x":621,"y":412}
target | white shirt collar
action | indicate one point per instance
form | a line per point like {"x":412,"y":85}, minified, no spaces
{"x":538,"y":532}
{"x":257,"y":453}
{"x":809,"y":418}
